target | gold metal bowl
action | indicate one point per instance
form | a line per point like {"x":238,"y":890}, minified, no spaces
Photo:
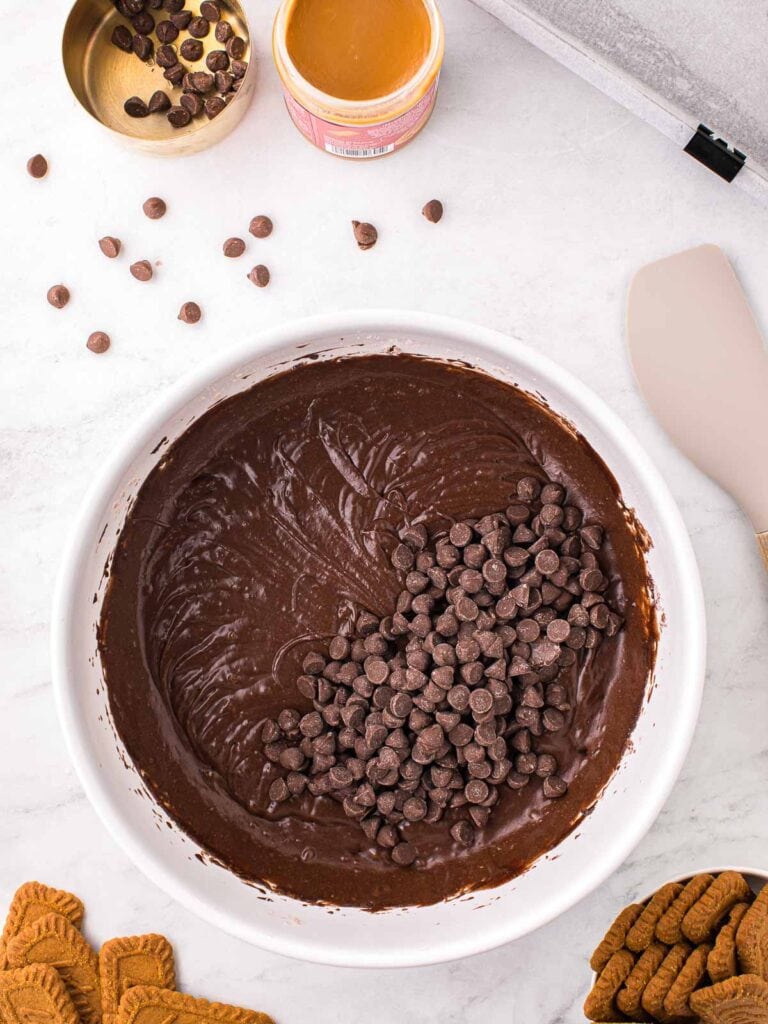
{"x":103,"y":77}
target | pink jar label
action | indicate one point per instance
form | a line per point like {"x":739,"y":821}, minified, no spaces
{"x":366,"y":141}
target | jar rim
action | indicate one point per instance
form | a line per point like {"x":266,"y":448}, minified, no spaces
{"x":292,"y":77}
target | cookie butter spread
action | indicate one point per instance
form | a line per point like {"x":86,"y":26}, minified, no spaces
{"x":377,"y":630}
{"x":358,"y":49}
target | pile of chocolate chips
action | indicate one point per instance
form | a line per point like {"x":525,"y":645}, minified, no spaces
{"x":202,"y":91}
{"x":437,"y":705}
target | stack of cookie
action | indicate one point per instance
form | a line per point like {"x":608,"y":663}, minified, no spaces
{"x":694,"y":950}
{"x":49,"y":974}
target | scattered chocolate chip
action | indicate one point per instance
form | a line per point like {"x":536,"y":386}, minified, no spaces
{"x":210,"y":10}
{"x":236,"y":47}
{"x":142,"y":270}
{"x":167,"y":32}
{"x":110,"y":246}
{"x":193,"y":102}
{"x":199,"y":28}
{"x":261,"y":227}
{"x":179,"y":117}
{"x":136,"y":107}
{"x":259,"y":276}
{"x":159,"y":102}
{"x":234,"y":247}
{"x":155,"y":208}
{"x":37,"y":166}
{"x":238,"y":68}
{"x":433,"y":211}
{"x":214,"y":106}
{"x":122,"y":38}
{"x":58,"y":296}
{"x":191,"y":49}
{"x":143,"y":47}
{"x":173,"y":6}
{"x":366,"y":234}
{"x":98,"y":342}
{"x":190,"y":313}
{"x":224,"y":32}
{"x":554,"y":787}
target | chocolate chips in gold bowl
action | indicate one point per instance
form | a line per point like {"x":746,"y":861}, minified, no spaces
{"x":695,"y":950}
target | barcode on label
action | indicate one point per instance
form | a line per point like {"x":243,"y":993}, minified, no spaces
{"x":359,"y":154}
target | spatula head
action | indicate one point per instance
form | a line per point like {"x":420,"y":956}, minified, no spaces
{"x":701,"y":364}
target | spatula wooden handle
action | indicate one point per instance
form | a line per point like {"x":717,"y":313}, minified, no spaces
{"x":762,"y":543}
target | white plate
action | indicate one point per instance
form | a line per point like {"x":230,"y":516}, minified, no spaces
{"x":416,"y":935}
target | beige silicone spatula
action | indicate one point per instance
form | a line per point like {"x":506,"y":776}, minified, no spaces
{"x":701,"y":364}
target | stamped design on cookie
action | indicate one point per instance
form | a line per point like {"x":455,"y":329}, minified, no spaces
{"x":722,"y":962}
{"x":599,"y":1004}
{"x":614,"y":938}
{"x":752,"y":937}
{"x":55,"y":941}
{"x":136,"y":960}
{"x":726,"y":891}
{"x":32,"y":901}
{"x":146,"y":1004}
{"x":676,"y":1001}
{"x":742,"y":1000}
{"x":658,"y":987}
{"x":640,"y":935}
{"x":35,"y":995}
{"x":629,"y":999}
{"x":668,"y":929}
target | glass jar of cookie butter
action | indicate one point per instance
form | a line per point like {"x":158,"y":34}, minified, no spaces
{"x":360,"y":76}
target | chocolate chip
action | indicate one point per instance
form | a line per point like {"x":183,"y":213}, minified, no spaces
{"x":193,"y":102}
{"x":554,"y":787}
{"x":236,"y":47}
{"x":136,"y":107}
{"x":167,"y":32}
{"x":214,"y":106}
{"x":58,"y":296}
{"x":224,"y":32}
{"x":463,"y":833}
{"x":190,"y":313}
{"x":98,"y":342}
{"x":143,"y":23}
{"x":142,"y":46}
{"x":403,"y":855}
{"x":182,"y":19}
{"x":224,"y":81}
{"x":217,"y":60}
{"x":110,"y":246}
{"x":174,"y":75}
{"x":122,"y":38}
{"x":234,"y":247}
{"x":166,"y":57}
{"x":179,"y":117}
{"x":261,"y":226}
{"x":259,"y":276}
{"x":366,"y":234}
{"x":210,"y":10}
{"x":433,"y":211}
{"x":200,"y":81}
{"x":159,"y":102}
{"x":155,"y":208}
{"x":142,"y":270}
{"x":199,"y":28}
{"x":191,"y":49}
{"x":173,"y":6}
{"x":239,"y":68}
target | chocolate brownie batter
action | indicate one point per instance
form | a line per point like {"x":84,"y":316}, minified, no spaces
{"x":268,"y":525}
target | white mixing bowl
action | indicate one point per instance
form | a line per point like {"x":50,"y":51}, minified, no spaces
{"x":416,"y":935}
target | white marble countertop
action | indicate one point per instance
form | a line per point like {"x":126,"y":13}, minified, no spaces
{"x":553,"y":196}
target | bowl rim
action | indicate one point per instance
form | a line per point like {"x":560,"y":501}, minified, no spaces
{"x":87,"y":526}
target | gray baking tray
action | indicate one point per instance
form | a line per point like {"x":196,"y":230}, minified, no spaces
{"x":695,"y":69}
